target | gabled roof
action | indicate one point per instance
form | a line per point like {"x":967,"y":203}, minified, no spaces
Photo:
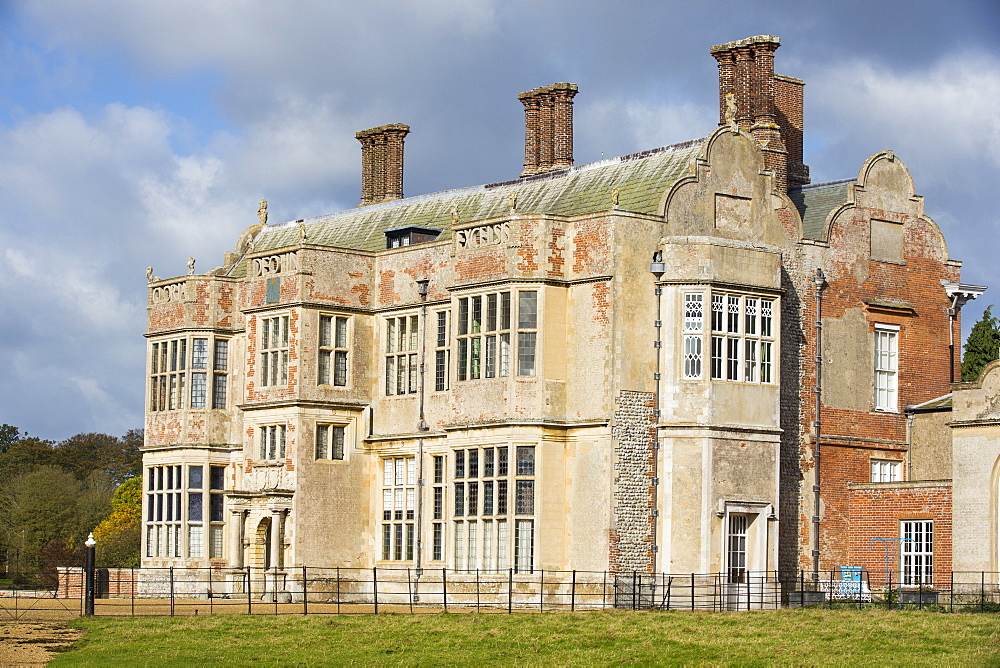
{"x":816,"y":201}
{"x":641,"y":179}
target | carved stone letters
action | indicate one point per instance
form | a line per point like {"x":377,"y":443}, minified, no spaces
{"x":493,"y":234}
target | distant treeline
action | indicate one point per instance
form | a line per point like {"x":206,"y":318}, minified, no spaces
{"x":53,"y":494}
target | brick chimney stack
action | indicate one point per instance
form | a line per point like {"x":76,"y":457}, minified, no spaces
{"x":382,"y":163}
{"x":768,"y":106}
{"x":548,"y":128}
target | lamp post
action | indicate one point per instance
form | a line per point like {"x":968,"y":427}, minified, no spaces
{"x":88,"y":577}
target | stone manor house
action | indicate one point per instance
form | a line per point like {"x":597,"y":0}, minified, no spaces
{"x":689,"y":359}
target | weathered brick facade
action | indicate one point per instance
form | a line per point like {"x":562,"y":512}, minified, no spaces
{"x":876,"y":510}
{"x":604,"y":366}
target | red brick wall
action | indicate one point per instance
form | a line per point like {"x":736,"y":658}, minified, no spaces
{"x":876,"y":511}
{"x":851,"y":437}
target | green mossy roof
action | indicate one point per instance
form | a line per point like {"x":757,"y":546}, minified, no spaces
{"x":939,"y":404}
{"x":815,"y":202}
{"x":641,"y":179}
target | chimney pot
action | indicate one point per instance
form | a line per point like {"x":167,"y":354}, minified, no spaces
{"x":382,"y":162}
{"x":548,"y":128}
{"x":769,"y":107}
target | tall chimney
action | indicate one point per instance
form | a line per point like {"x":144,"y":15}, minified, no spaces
{"x":382,"y":163}
{"x":788,"y":111}
{"x":548,"y":128}
{"x":769,"y":107}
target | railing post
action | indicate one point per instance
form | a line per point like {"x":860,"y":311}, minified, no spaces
{"x":541,"y":590}
{"x":572,"y":593}
{"x":171,"y":591}
{"x":692,"y":591}
{"x":210,"y":596}
{"x":477,"y":590}
{"x":88,"y":578}
{"x":982,"y":591}
{"x":305,"y":593}
{"x":444,"y":588}
{"x":633,"y":589}
{"x":133,"y":592}
{"x":951,"y":591}
{"x":338,"y":590}
{"x":409,"y":589}
{"x":510,"y":590}
{"x":375,"y":586}
{"x":249,"y":602}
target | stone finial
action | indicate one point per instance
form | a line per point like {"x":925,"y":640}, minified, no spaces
{"x":512,"y":202}
{"x":262,"y":212}
{"x":454,"y":214}
{"x":614,"y":196}
{"x":190,"y":264}
{"x":149,"y":274}
{"x":302,"y":232}
{"x":730,"y":109}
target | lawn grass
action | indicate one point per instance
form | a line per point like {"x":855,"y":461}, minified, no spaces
{"x":800,"y":637}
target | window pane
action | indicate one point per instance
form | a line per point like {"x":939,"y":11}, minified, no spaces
{"x":219,"y":385}
{"x":341,"y":340}
{"x":218,"y":477}
{"x":217,"y":501}
{"x":198,"y":390}
{"x":195,"y":477}
{"x":527,"y":309}
{"x":322,"y":440}
{"x":692,"y":356}
{"x":501,"y":497}
{"x":194,"y":506}
{"x":442,"y":329}
{"x":221,"y":355}
{"x":526,"y":354}
{"x":337,"y":447}
{"x":440,"y":369}
{"x":525,"y":497}
{"x":340,"y":368}
{"x":525,"y":460}
{"x":473,"y":463}
{"x":693,"y":312}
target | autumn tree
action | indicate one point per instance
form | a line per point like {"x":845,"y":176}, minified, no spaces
{"x":53,"y":494}
{"x":45,"y":516}
{"x":118,"y":536}
{"x":982,"y":346}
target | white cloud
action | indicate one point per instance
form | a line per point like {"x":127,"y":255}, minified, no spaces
{"x":639,"y":123}
{"x":945,"y":115}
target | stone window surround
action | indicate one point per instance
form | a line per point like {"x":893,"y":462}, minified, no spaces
{"x":885,"y":391}
{"x":188,"y":372}
{"x":334,"y":337}
{"x":740,"y":349}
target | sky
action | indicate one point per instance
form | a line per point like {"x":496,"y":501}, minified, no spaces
{"x":136,"y":134}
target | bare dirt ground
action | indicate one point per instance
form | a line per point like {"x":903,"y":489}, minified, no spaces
{"x":33,"y":643}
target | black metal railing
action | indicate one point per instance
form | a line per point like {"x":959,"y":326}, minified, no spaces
{"x":332,"y":591}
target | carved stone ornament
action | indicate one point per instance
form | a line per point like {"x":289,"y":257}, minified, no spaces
{"x":149,"y":274}
{"x":190,"y":265}
{"x":614,"y":196}
{"x":512,"y":201}
{"x":262,"y":212}
{"x":730,"y":109}
{"x":454,"y":214}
